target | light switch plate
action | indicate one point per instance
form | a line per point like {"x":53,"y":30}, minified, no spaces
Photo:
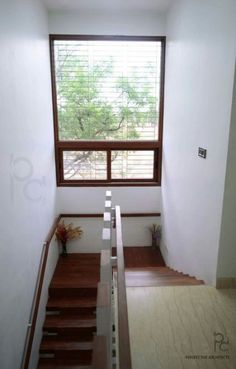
{"x":202,"y":153}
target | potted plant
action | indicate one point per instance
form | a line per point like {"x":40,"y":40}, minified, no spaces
{"x":65,"y":233}
{"x":156,"y":235}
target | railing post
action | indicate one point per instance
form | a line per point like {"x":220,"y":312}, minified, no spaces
{"x":124,"y":356}
{"x":106,"y":268}
{"x":106,"y":234}
{"x":104,"y":300}
{"x":106,"y":237}
{"x":104,"y":315}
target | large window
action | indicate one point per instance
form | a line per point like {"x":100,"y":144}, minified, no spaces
{"x":108,"y":109}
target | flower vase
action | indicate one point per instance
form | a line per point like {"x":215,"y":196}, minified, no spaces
{"x":154,"y":242}
{"x":64,"y":249}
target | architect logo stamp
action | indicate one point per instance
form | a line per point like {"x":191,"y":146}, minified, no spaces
{"x":22,"y":174}
{"x":220,"y":347}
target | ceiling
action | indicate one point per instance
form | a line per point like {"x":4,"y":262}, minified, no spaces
{"x":109,"y":5}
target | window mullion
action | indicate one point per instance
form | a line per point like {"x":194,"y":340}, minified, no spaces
{"x":109,"y":165}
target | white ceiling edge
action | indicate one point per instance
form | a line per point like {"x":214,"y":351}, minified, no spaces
{"x":109,"y":5}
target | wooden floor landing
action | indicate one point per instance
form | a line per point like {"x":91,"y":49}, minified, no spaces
{"x":142,"y":257}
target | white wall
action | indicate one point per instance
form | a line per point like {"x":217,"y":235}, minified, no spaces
{"x":227,"y":251}
{"x":107,"y":23}
{"x":27,"y":166}
{"x":135,"y":232}
{"x":198,"y":96}
{"x":91,"y":199}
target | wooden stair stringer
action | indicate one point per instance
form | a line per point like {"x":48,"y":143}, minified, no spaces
{"x":186,"y":274}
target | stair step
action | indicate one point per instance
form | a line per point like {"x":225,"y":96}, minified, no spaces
{"x":82,"y":328}
{"x":74,"y":306}
{"x":66,"y":321}
{"x":56,"y":303}
{"x":75,"y":268}
{"x":157,"y":276}
{"x":79,"y":259}
{"x":164,"y":277}
{"x":54,"y":345}
{"x":60,"y":363}
{"x":80,"y":335}
{"x":162,"y":282}
{"x":70,"y":284}
{"x":89,"y":290}
{"x":67,"y":349}
{"x":154,"y":270}
{"x":157,"y":273}
{"x":80,"y":312}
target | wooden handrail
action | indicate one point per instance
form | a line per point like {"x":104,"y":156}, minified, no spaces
{"x":100,"y":215}
{"x":123,"y":325}
{"x":37,"y":295}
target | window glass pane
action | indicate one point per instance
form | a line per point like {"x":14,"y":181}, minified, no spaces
{"x":132,"y":164}
{"x":107,"y":90}
{"x":85,"y":165}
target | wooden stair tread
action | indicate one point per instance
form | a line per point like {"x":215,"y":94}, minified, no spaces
{"x":54,"y":303}
{"x":147,"y":274}
{"x":67,"y":283}
{"x":159,"y":283}
{"x":141,"y":256}
{"x":76,"y":268}
{"x":79,"y":259}
{"x":73,"y":291}
{"x":78,"y":273}
{"x":77,"y":263}
{"x":43,"y":365}
{"x":81,"y":256}
{"x":160,"y":276}
{"x":62,"y":363}
{"x":69,"y":321}
{"x":152,"y":269}
{"x":68,"y":345}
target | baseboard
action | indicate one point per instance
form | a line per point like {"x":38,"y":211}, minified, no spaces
{"x":226,"y":283}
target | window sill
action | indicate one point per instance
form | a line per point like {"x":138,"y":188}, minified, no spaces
{"x":109,"y":184}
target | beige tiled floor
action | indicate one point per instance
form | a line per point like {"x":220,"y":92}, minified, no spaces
{"x":174,"y":327}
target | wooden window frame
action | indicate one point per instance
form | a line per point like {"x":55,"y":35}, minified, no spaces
{"x":108,"y":146}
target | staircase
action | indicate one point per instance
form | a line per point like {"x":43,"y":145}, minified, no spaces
{"x":70,"y":321}
{"x":158,"y":276}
